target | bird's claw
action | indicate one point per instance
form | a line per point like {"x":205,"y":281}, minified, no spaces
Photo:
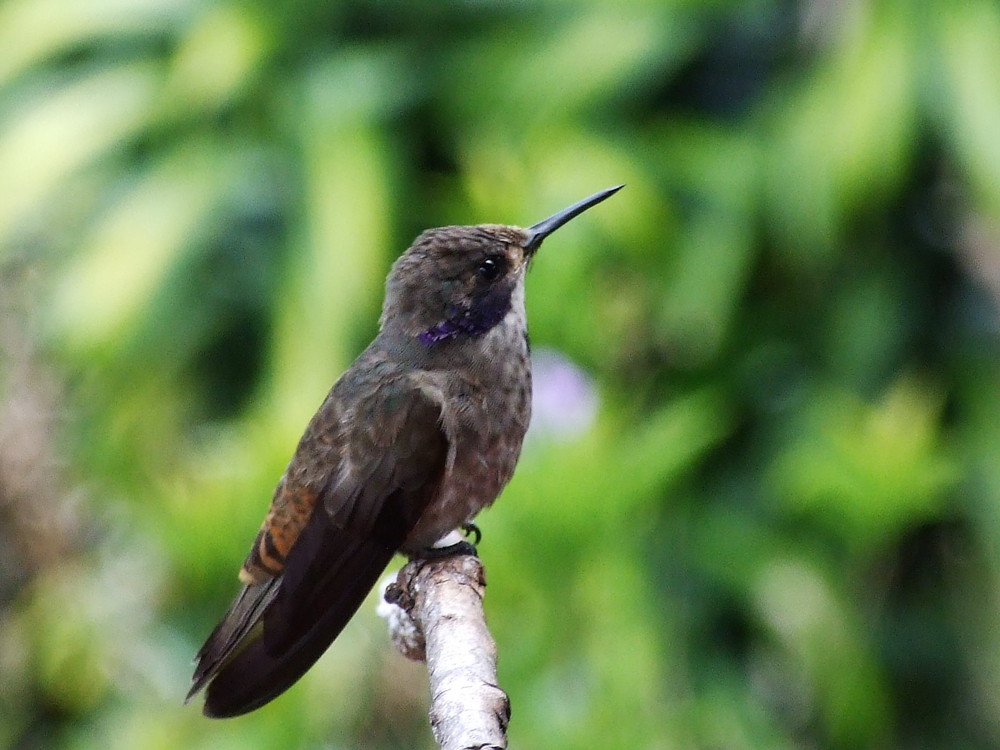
{"x":470,"y":529}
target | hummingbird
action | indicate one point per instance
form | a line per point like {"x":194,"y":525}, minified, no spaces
{"x":420,"y":433}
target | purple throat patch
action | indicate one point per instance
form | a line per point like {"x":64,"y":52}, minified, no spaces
{"x":470,"y":323}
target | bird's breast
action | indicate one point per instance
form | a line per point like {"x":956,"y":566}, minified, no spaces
{"x":487,"y":407}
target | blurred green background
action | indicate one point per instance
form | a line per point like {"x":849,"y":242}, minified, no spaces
{"x":767,"y":516}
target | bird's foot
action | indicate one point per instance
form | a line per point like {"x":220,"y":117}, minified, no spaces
{"x":470,"y":529}
{"x":451,"y":544}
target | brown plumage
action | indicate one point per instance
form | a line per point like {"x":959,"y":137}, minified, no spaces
{"x":420,"y":434}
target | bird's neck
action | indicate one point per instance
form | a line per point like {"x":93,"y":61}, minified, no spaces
{"x":456,"y":328}
{"x":471,"y":346}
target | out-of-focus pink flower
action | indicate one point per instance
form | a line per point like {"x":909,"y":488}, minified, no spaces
{"x":564,"y":402}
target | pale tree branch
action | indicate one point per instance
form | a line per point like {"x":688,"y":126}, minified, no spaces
{"x":437,"y":617}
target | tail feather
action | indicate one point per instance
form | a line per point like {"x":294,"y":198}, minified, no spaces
{"x":275,"y":631}
{"x":240,"y":619}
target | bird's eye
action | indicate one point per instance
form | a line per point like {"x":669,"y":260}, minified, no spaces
{"x":492,"y":267}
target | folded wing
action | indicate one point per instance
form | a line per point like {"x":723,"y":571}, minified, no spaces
{"x":314,"y":569}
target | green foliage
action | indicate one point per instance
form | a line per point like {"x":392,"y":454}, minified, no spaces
{"x":780,"y":531}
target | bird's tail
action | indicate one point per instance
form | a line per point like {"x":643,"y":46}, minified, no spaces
{"x":275,"y":631}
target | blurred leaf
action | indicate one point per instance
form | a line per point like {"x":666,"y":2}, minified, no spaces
{"x":711,"y":260}
{"x":841,"y":139}
{"x":970,"y":105}
{"x":549,"y":71}
{"x":217,"y":58}
{"x":822,"y":634}
{"x":135,"y":246}
{"x":34,"y":31}
{"x":65,"y":130}
{"x":869,"y":471}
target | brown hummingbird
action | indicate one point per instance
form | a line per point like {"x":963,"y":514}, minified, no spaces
{"x":419,"y":434}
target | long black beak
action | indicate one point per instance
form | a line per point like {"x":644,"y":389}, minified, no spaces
{"x":544,"y":228}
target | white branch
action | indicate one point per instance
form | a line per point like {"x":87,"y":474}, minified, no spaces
{"x":437,"y":617}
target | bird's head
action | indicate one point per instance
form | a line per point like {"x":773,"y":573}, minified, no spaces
{"x":460,"y":281}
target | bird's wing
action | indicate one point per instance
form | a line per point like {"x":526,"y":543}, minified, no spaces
{"x":309,"y":581}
